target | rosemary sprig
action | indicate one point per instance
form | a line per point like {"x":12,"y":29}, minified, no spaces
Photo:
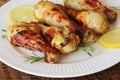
{"x":33,"y":59}
{"x":87,"y":48}
{"x":115,"y":8}
{"x":3,"y":30}
{"x":4,"y":36}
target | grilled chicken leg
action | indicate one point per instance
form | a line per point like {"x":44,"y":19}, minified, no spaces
{"x":61,"y":38}
{"x":93,"y":20}
{"x":30,"y":37}
{"x":51,"y":14}
{"x":91,"y":5}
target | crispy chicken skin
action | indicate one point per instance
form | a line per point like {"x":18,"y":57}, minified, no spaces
{"x":47,"y":12}
{"x":91,"y":5}
{"x":51,"y":14}
{"x":93,"y":20}
{"x":29,"y":36}
{"x":61,"y":38}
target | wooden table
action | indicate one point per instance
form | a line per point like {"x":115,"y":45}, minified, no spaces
{"x":7,"y":73}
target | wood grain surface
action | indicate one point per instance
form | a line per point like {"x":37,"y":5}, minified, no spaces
{"x":8,"y":73}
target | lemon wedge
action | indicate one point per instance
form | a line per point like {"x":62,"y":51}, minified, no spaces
{"x":110,"y":39}
{"x":22,"y":13}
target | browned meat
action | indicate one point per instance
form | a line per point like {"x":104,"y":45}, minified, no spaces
{"x":30,"y":37}
{"x":93,"y":20}
{"x":91,"y":5}
{"x":51,"y":14}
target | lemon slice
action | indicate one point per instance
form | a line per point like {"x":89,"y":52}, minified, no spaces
{"x":111,"y":39}
{"x":22,"y":13}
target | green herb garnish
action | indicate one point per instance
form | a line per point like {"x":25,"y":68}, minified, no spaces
{"x":115,"y":8}
{"x":3,"y":30}
{"x":87,"y":48}
{"x":34,"y":58}
{"x":4,"y":36}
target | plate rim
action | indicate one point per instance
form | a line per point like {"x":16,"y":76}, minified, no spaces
{"x":53,"y":76}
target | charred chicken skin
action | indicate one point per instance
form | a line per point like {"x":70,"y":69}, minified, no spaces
{"x":61,"y":38}
{"x":30,"y":37}
{"x":93,"y":20}
{"x":91,"y":5}
{"x":51,"y":14}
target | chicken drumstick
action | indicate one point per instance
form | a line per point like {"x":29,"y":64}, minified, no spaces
{"x":30,"y":37}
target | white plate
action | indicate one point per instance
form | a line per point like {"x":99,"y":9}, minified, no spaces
{"x":73,"y":65}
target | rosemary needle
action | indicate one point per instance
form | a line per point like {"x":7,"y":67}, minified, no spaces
{"x":3,"y":30}
{"x":115,"y":8}
{"x":4,"y":36}
{"x":33,"y":59}
{"x":87,"y":48}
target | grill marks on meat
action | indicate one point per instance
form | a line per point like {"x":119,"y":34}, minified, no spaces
{"x":93,"y":4}
{"x":97,"y":6}
{"x":35,"y":41}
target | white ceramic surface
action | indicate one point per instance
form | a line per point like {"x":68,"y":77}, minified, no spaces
{"x":72,"y":65}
